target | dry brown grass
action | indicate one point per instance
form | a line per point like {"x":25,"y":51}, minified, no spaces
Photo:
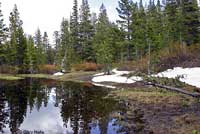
{"x":47,"y":69}
{"x":5,"y":69}
{"x":162,"y":112}
{"x":87,"y":66}
{"x":172,"y":56}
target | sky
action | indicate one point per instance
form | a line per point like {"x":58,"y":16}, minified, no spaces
{"x":47,"y":14}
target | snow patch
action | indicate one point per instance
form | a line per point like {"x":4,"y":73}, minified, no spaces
{"x":100,"y":74}
{"x":116,"y":77}
{"x":58,"y":74}
{"x":190,"y":76}
{"x":103,"y":85}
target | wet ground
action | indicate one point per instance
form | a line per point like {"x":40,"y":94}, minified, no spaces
{"x":155,"y":111}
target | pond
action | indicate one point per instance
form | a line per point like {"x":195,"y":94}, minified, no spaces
{"x":40,"y":106}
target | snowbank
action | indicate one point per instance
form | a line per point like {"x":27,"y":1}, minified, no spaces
{"x":116,"y":77}
{"x":190,"y":76}
{"x":103,"y":85}
{"x":58,"y":74}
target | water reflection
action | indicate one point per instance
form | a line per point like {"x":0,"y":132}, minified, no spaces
{"x":43,"y":106}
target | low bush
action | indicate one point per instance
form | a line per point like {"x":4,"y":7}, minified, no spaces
{"x":175,"y":55}
{"x":87,"y":66}
{"x":47,"y":69}
{"x":138,"y":65}
{"x":5,"y":69}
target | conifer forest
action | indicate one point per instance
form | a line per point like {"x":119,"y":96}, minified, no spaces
{"x":138,"y":73}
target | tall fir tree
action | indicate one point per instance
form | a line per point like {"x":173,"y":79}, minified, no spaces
{"x":3,"y":37}
{"x":139,"y":27}
{"x":102,"y":43}
{"x":18,"y":39}
{"x":45,"y":42}
{"x":41,"y":58}
{"x":171,"y":13}
{"x":125,"y":12}
{"x":66,"y":48}
{"x":86,"y":32}
{"x":48,"y":50}
{"x":3,"y":28}
{"x":191,"y":22}
{"x":57,"y":46}
{"x":30,"y":61}
{"x":74,"y":28}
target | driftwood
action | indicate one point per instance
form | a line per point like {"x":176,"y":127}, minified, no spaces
{"x":194,"y":94}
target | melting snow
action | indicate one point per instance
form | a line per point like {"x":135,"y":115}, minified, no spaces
{"x":58,"y":74}
{"x":103,"y":85}
{"x":190,"y":76}
{"x":116,"y":77}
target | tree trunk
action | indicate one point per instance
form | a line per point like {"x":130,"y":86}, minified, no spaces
{"x":194,"y":94}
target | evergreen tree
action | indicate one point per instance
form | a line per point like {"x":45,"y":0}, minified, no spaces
{"x":39,"y":48}
{"x":86,"y":32}
{"x":30,"y":63}
{"x":125,"y":13}
{"x":45,"y":42}
{"x":48,"y":50}
{"x":94,"y":20}
{"x":191,"y":23}
{"x":18,"y":39}
{"x":171,"y":20}
{"x":103,"y":47}
{"x":154,"y":24}
{"x":3,"y":28}
{"x":3,"y":36}
{"x":57,"y":45}
{"x":74,"y":29}
{"x":66,"y":48}
{"x":138,"y":29}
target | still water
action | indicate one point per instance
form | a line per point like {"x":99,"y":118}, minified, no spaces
{"x":38,"y":106}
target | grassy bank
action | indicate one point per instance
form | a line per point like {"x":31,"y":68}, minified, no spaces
{"x":73,"y":76}
{"x":9,"y":77}
{"x":151,"y":110}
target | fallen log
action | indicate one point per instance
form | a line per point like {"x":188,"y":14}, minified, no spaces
{"x":194,"y":94}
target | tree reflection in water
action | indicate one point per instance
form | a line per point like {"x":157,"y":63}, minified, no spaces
{"x":46,"y":106}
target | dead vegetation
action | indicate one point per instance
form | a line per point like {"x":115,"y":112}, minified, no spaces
{"x":175,"y":55}
{"x":155,"y":111}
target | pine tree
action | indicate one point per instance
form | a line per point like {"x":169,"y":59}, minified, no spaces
{"x":160,"y":37}
{"x":18,"y":39}
{"x":171,"y":20}
{"x":74,"y":28}
{"x":86,"y":32}
{"x":116,"y":40}
{"x":125,"y":13}
{"x":48,"y":50}
{"x":94,"y":20}
{"x":30,"y":61}
{"x":41,"y":59}
{"x":139,"y":27}
{"x":45,"y":42}
{"x":191,"y":23}
{"x":3,"y":36}
{"x":57,"y":44}
{"x":66,"y":48}
{"x":155,"y":26}
{"x":3,"y":28}
{"x":103,"y":47}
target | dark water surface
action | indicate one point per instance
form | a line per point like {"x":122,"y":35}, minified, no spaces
{"x":34,"y":106}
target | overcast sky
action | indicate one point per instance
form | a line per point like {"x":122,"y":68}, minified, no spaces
{"x":48,"y":14}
